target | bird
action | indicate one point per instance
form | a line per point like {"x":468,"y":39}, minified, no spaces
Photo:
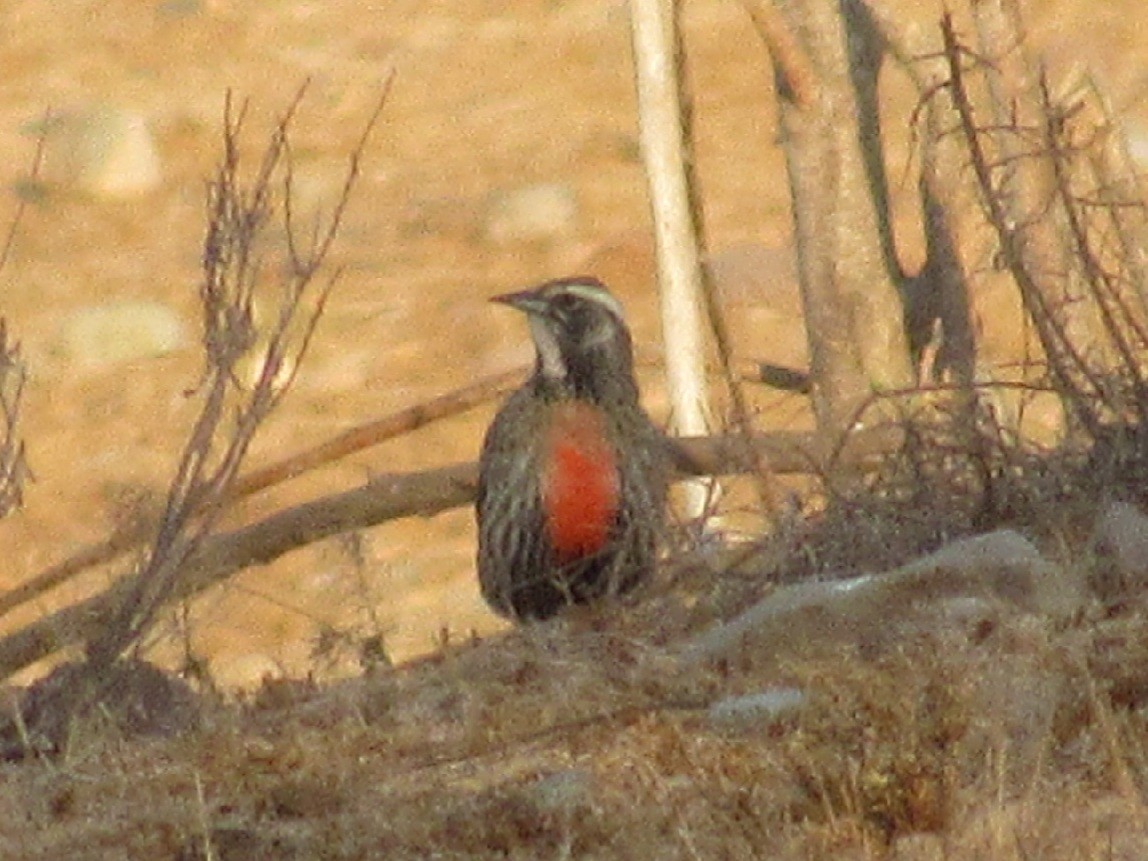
{"x":573,"y":473}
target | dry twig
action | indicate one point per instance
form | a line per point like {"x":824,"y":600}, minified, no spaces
{"x":13,"y":375}
{"x":13,"y":465}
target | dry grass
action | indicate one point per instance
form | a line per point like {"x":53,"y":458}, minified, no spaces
{"x":955,"y":734}
{"x":1012,"y":737}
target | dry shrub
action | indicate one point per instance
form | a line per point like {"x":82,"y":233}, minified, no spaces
{"x":877,"y":748}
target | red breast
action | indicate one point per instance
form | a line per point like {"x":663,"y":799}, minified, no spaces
{"x":580,"y":486}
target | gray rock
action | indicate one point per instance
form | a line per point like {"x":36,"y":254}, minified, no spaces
{"x":757,"y":711}
{"x":1001,"y":565}
{"x":1120,"y":546}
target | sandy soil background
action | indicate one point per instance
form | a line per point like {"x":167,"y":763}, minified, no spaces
{"x":489,"y":99}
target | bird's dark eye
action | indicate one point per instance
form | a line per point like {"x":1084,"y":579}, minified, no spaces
{"x":565,"y":304}
{"x":568,"y":311}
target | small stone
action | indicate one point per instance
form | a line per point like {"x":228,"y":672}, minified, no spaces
{"x":1120,"y":544}
{"x":105,"y":151}
{"x":759,"y":710}
{"x":541,"y":213}
{"x":107,"y":334}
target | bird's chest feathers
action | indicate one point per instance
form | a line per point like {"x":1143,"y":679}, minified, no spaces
{"x":581,"y":488}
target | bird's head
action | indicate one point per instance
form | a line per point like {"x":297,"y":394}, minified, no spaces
{"x":580,"y":337}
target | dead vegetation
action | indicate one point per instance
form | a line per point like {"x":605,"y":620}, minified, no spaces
{"x":996,"y":740}
{"x":960,"y":727}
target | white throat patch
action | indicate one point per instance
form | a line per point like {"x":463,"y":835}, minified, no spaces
{"x":549,"y":355}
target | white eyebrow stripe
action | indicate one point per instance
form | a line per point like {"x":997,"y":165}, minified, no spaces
{"x":594,"y":293}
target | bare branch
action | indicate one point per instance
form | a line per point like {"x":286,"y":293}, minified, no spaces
{"x":134,"y":533}
{"x":664,"y":152}
{"x":798,"y":81}
{"x":13,"y":465}
{"x":30,"y":183}
{"x":1063,"y":361}
{"x":389,"y":497}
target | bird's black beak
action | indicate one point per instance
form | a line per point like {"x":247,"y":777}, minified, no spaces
{"x":526,"y":301}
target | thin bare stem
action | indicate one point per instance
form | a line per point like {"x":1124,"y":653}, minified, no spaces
{"x":664,"y":151}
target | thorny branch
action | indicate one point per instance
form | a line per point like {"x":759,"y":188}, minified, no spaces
{"x":1054,"y":339}
{"x":239,"y":214}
